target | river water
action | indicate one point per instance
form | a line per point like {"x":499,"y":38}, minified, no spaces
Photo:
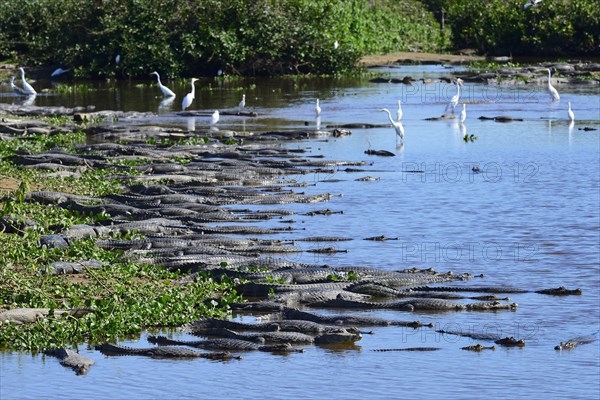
{"x":529,"y":219}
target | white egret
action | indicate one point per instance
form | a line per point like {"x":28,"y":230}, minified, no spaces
{"x":397,"y":125}
{"x":399,"y":112}
{"x":27,"y":88}
{"x":59,"y":71}
{"x":187,"y":100}
{"x":317,"y":109}
{"x":570,"y":113}
{"x":531,"y":3}
{"x":336,"y":44}
{"x":215,"y":118}
{"x":117,"y":58}
{"x":553,"y":92}
{"x":165,"y":90}
{"x":463,"y":114}
{"x":243,"y":102}
{"x":454,"y":100}
{"x":16,"y":90}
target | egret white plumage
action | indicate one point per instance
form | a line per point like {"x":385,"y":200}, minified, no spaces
{"x":243,"y":102}
{"x":399,"y":113}
{"x":165,"y":90}
{"x":117,"y":58}
{"x":570,"y":113}
{"x":531,"y":3}
{"x":396,"y":124}
{"x":454,"y":100}
{"x":59,"y":71}
{"x":187,"y":100}
{"x":215,"y":118}
{"x":317,"y":109}
{"x":27,"y":88}
{"x":463,"y":114}
{"x":16,"y":90}
{"x":553,"y":92}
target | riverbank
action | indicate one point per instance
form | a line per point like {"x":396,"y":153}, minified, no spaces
{"x":418,"y":58}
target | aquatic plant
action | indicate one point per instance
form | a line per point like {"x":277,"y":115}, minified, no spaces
{"x":123,"y":297}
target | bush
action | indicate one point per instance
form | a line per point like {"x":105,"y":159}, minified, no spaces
{"x":552,"y":28}
{"x":195,"y":37}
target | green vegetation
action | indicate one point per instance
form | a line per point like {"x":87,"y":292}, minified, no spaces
{"x":503,"y":27}
{"x":124,"y":297}
{"x":201,"y":37}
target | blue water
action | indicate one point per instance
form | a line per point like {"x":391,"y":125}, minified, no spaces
{"x":529,"y":219}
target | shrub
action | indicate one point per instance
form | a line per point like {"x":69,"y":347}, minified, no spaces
{"x":552,"y":28}
{"x":195,"y":37}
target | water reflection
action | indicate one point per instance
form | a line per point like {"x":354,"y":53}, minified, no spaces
{"x":29,"y":100}
{"x":191,"y":124}
{"x":318,"y":122}
{"x":166,"y":102}
{"x":571,"y":126}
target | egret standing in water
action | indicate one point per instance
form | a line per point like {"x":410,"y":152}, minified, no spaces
{"x":16,"y":90}
{"x":553,"y":92}
{"x":242,"y":103}
{"x":187,"y":100}
{"x":463,"y":114}
{"x":165,"y":90}
{"x":399,"y":112}
{"x":318,"y":109}
{"x":215,"y":118}
{"x":396,"y":124}
{"x":27,"y":88}
{"x":570,"y":113}
{"x":454,"y":100}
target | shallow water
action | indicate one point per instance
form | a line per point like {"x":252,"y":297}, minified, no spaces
{"x":529,"y":219}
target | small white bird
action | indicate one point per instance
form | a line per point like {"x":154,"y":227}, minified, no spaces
{"x":215,"y":118}
{"x":336,"y":44}
{"x":531,"y":3}
{"x":165,"y":90}
{"x":317,"y":109}
{"x":117,"y":58}
{"x":16,"y":90}
{"x":27,"y":88}
{"x":399,"y":113}
{"x":553,"y":92}
{"x":570,"y":113}
{"x":242,"y":103}
{"x":59,"y":71}
{"x":187,"y":100}
{"x":463,"y":114}
{"x":396,"y":124}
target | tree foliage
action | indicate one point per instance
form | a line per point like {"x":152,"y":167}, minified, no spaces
{"x":551,"y":28}
{"x":192,"y":37}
